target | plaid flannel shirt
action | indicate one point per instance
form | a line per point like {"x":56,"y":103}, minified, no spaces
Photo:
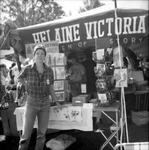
{"x":38,"y":87}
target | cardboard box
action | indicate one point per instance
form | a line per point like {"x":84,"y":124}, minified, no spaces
{"x":80,"y":99}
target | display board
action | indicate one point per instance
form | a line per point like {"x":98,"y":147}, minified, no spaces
{"x":58,"y":63}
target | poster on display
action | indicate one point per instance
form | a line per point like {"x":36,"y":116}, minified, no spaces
{"x":98,"y":55}
{"x":51,"y":47}
{"x":66,"y":114}
{"x":50,"y":60}
{"x":58,"y":85}
{"x":60,"y":72}
{"x":121,"y":76}
{"x":67,"y":118}
{"x":55,"y":59}
{"x":60,"y":95}
{"x":59,"y":114}
{"x":102,"y":97}
{"x":83,"y":88}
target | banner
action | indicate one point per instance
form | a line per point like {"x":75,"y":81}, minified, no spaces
{"x":80,"y":32}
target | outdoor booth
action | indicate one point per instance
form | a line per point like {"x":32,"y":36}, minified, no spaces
{"x":100,"y":28}
{"x":113,"y":33}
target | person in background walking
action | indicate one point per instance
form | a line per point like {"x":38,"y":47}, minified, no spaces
{"x":38,"y":80}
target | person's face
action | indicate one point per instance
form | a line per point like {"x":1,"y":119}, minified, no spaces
{"x":39,"y":56}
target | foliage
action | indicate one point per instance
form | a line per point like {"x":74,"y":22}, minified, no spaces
{"x":90,"y":4}
{"x":30,"y":12}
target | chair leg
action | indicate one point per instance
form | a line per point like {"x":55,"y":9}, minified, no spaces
{"x":108,"y":140}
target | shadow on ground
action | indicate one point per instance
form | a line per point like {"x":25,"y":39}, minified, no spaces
{"x":84,"y":140}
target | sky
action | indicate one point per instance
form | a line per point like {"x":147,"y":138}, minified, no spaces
{"x":74,"y":5}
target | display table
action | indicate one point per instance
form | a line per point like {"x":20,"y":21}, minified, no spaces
{"x":70,"y":117}
{"x":104,"y":110}
{"x":58,"y":120}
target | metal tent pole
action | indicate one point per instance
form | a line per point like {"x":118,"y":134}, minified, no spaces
{"x":123,"y":119}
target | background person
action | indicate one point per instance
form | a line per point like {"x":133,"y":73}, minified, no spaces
{"x":38,"y":80}
{"x":77,"y":74}
{"x":7,"y":104}
{"x":89,"y":65}
{"x":3,"y":80}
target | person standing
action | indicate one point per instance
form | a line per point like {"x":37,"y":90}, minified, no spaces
{"x":7,"y":105}
{"x":38,"y":80}
{"x":77,"y":74}
{"x":89,"y":65}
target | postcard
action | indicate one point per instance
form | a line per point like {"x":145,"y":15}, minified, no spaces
{"x":60,"y":59}
{"x":50,"y":60}
{"x":75,"y":113}
{"x":60,"y":72}
{"x":100,"y":54}
{"x":100,"y":69}
{"x":59,"y":85}
{"x":59,"y":114}
{"x":83,"y":88}
{"x":60,"y":96}
{"x":102,"y":97}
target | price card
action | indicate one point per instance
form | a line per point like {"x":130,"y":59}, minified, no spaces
{"x":83,"y":88}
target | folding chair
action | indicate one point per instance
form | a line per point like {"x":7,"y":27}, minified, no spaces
{"x":132,"y":146}
{"x":113,"y":134}
{"x":113,"y":128}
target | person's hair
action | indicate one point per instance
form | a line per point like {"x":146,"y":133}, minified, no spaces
{"x":72,"y":56}
{"x":39,"y":47}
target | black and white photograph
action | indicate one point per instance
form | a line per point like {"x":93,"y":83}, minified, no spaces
{"x":74,"y":75}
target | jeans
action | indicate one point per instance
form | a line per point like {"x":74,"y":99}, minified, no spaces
{"x":40,"y":108}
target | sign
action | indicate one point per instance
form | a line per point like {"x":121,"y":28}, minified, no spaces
{"x":81,"y":31}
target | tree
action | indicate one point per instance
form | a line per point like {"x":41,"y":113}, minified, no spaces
{"x":90,"y":4}
{"x":30,"y":12}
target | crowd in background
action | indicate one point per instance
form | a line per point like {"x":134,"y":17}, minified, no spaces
{"x":9,"y":95}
